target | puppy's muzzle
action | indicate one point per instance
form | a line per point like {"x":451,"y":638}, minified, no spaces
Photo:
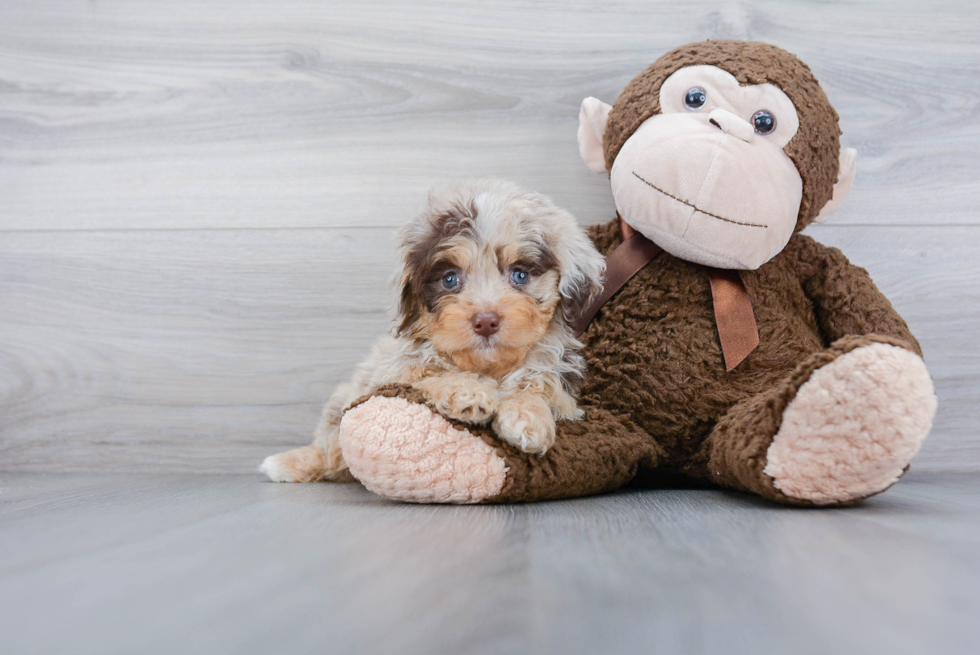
{"x":486,"y":324}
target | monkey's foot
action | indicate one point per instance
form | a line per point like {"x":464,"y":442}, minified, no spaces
{"x":853,"y":427}
{"x":405,"y":451}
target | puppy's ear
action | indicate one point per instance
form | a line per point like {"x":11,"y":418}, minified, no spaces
{"x":414,"y":243}
{"x":581,"y":269}
{"x":409,"y":304}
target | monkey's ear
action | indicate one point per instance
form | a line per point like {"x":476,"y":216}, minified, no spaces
{"x":848,"y":167}
{"x":591,"y":126}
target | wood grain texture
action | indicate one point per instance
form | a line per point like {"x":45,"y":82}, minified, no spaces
{"x":229,"y":564}
{"x":198,"y":198}
{"x":207,"y":350}
{"x":180,"y":349}
{"x":255,"y":113}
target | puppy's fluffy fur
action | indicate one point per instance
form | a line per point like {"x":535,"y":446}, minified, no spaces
{"x":491,"y":278}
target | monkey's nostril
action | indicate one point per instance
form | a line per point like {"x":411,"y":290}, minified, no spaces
{"x":731,"y":124}
{"x":486,"y":323}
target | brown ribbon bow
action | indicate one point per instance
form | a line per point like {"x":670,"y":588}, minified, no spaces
{"x":734,"y":317}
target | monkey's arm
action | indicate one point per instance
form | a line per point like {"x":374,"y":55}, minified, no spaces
{"x":846,"y":301}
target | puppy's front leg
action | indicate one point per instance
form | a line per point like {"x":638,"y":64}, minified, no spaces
{"x":525,"y":420}
{"x":463,"y":396}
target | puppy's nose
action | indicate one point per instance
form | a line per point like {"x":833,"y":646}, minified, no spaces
{"x":486,"y":323}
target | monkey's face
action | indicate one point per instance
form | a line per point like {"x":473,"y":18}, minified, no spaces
{"x":719,"y":151}
{"x":707,"y":179}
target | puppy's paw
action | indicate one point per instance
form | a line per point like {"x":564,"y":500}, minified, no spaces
{"x":464,"y":398}
{"x":525,"y":421}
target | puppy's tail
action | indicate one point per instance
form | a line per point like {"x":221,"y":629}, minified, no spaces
{"x":306,"y":464}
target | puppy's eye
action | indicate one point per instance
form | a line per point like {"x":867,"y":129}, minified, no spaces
{"x":763,"y":122}
{"x":520,"y":277}
{"x":695,"y":98}
{"x":450,"y":280}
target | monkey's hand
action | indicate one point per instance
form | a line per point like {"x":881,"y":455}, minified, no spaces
{"x":525,"y":420}
{"x":465,"y":397}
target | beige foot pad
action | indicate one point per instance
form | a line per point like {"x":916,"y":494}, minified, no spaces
{"x":405,"y":451}
{"x":853,"y":426}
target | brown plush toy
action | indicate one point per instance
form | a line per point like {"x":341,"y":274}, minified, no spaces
{"x":735,"y":351}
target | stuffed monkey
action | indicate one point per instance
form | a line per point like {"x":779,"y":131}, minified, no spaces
{"x":739,"y":352}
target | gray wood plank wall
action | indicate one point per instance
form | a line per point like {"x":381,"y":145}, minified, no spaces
{"x":197,"y":199}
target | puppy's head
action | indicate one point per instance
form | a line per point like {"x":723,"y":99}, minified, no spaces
{"x":489,"y":270}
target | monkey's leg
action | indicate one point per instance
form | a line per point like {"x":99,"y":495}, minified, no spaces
{"x":399,"y":448}
{"x":842,"y":427}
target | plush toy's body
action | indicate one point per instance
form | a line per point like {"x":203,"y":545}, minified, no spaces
{"x":828,"y":408}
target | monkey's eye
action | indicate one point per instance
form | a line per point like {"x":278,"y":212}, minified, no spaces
{"x":520,"y":277}
{"x":695,"y":98}
{"x":450,"y":280}
{"x":763,"y":122}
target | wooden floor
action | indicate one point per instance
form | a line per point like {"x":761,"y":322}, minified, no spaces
{"x":196,"y":209}
{"x":229,"y":564}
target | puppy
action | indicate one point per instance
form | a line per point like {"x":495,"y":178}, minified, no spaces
{"x":492,"y":277}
